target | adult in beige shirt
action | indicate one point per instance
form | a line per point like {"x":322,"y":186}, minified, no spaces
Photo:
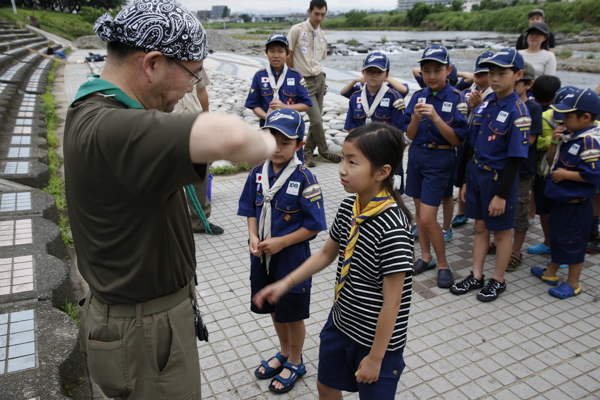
{"x":196,"y":102}
{"x":308,"y":46}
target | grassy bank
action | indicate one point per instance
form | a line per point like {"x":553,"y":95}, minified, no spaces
{"x":69,"y":26}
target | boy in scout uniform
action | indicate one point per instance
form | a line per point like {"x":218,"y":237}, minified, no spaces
{"x":308,"y":46}
{"x":499,"y":139}
{"x":574,"y":156}
{"x":284,"y":205}
{"x":436,"y":122}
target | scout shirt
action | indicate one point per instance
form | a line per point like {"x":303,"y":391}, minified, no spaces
{"x":358,"y":87}
{"x":451,"y":106}
{"x":500,"y":130}
{"x":293,"y":91}
{"x":298,"y":204}
{"x":581,"y":155}
{"x":390,"y":110}
{"x":302,"y":38}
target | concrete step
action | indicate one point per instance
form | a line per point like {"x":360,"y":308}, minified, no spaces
{"x":29,"y":173}
{"x":22,"y":201}
{"x":26,"y":236}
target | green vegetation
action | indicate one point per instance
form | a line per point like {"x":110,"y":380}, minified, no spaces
{"x":564,"y":54}
{"x":260,"y":32}
{"x":56,"y":185}
{"x":352,"y":42}
{"x":230,"y":169}
{"x":591,"y":56}
{"x":272,"y":26}
{"x":69,"y":26}
{"x":391,"y":20}
{"x":383,"y":39}
{"x":71,"y":310}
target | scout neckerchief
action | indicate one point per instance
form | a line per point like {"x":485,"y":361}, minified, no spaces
{"x":377,"y":204}
{"x":365,"y":103}
{"x":106,"y":89}
{"x":315,"y":41}
{"x":593,"y":133}
{"x":484,"y":94}
{"x":264,"y":226}
{"x":276,"y":84}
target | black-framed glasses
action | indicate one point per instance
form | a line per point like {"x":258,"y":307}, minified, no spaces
{"x":195,"y":78}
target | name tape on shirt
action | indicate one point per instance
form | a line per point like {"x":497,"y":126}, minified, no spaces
{"x":502,"y":115}
{"x":523,"y":122}
{"x":421,"y":100}
{"x":447,"y":106}
{"x":385,"y":102}
{"x":574,"y":149}
{"x":590,"y":155}
{"x":462,"y":107}
{"x":312,"y":191}
{"x":293,"y":188}
{"x":399,"y":103}
{"x":291,"y":81}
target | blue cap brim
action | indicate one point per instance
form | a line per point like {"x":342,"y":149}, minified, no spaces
{"x":498,"y":64}
{"x":479,"y":69}
{"x":278,"y":40}
{"x":562,"y":108}
{"x":374,"y":66}
{"x":281,"y":130}
{"x":434,"y":59}
{"x":558,"y":117}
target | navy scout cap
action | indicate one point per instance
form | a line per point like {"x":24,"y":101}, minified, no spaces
{"x":436,"y":53}
{"x":481,"y":58}
{"x":583,"y":100}
{"x":559,"y":97}
{"x":377,"y":60}
{"x":505,"y":58}
{"x":287,"y":121}
{"x":278,"y":37}
{"x":453,"y":76}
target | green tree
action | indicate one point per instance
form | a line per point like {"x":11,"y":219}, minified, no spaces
{"x":246,"y":17}
{"x":456,"y":5}
{"x":418,"y":13}
{"x":225,"y":12}
{"x":356,"y":19}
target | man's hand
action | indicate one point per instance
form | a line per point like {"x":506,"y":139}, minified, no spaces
{"x":497,"y":206}
{"x":271,"y":246}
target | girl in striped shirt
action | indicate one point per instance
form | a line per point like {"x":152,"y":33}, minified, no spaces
{"x":364,"y":337}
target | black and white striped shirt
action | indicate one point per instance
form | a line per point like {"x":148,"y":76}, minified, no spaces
{"x":384,"y":247}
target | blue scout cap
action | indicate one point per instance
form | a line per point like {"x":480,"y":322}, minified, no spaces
{"x":278,"y":37}
{"x":481,"y":58}
{"x":583,"y":100}
{"x":287,"y":121}
{"x":436,"y":53}
{"x":377,"y":60}
{"x":453,"y":76}
{"x":505,"y":58}
{"x":559,"y":97}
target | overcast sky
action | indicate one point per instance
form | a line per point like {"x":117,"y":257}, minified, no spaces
{"x":275,"y":6}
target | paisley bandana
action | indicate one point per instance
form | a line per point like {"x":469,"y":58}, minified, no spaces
{"x":160,"y":25}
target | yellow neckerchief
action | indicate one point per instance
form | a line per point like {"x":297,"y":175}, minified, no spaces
{"x":376,"y":205}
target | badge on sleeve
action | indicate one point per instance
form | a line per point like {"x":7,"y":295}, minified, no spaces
{"x":574,"y":149}
{"x":399,"y":103}
{"x":446,"y":107}
{"x":590,"y":155}
{"x":462,"y":107}
{"x":293,"y":188}
{"x":291,"y":82}
{"x":303,"y":82}
{"x":304,"y":50}
{"x":385,"y":102}
{"x":523,"y":122}
{"x":312,"y":191}
{"x":502,"y":115}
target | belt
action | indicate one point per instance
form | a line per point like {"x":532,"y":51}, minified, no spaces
{"x":437,"y":146}
{"x":487,"y":168}
{"x":148,"y":308}
{"x":578,"y":200}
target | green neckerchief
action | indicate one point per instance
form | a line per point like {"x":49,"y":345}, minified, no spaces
{"x":434,"y":93}
{"x":95,"y":85}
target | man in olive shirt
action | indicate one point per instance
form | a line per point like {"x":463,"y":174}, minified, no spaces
{"x":126,"y":161}
{"x":308,"y":46}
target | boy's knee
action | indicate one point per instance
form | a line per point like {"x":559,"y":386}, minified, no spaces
{"x":328,"y":393}
{"x":480,"y":227}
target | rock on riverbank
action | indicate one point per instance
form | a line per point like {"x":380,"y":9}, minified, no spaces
{"x":227,"y":94}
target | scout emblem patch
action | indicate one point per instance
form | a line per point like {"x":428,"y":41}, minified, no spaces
{"x":590,"y":155}
{"x":523,"y":122}
{"x":446,"y":107}
{"x":462,"y":107}
{"x":287,"y":217}
{"x":291,"y":81}
{"x":574,"y":149}
{"x":304,"y":50}
{"x":304,"y":35}
{"x":502,"y":116}
{"x":312,"y":191}
{"x":399,"y":103}
{"x":303,"y":82}
{"x":385,"y":102}
{"x":293,"y":188}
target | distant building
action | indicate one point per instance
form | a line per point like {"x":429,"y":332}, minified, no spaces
{"x":405,"y":5}
{"x":468,"y":5}
{"x":203,"y":15}
{"x":217,"y":11}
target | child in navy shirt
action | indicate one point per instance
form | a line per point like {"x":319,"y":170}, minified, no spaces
{"x":574,"y":156}
{"x":436,"y":123}
{"x":499,"y":138}
{"x":284,"y":205}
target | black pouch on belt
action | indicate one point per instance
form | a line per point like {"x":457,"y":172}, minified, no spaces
{"x":201,"y":331}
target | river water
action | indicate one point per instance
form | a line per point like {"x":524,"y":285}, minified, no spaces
{"x":402,"y":59}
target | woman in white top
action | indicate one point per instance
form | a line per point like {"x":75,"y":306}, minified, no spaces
{"x":543,"y":61}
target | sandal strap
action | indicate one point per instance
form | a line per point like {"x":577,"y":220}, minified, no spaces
{"x":287,"y":381}
{"x":295,"y":368}
{"x":280,"y":358}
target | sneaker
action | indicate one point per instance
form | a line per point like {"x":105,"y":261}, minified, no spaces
{"x":445,"y":278}
{"x":594,"y":247}
{"x":333,"y":157}
{"x":467,"y":284}
{"x":459,"y":220}
{"x":447,"y":235}
{"x":491,"y":291}
{"x":216,"y":230}
{"x":309,"y":160}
